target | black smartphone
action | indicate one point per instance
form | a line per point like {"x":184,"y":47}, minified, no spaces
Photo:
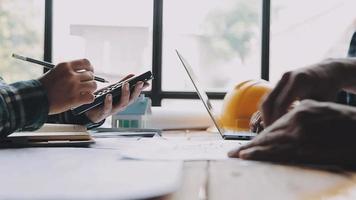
{"x":114,"y":90}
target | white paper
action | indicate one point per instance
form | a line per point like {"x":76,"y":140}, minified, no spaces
{"x":82,"y":173}
{"x":170,"y":149}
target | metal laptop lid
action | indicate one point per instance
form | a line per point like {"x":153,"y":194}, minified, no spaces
{"x":201,"y":93}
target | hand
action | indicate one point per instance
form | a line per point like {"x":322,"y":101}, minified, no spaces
{"x":256,"y":123}
{"x":69,"y":85}
{"x":320,"y":82}
{"x":313,"y":132}
{"x":98,"y":114}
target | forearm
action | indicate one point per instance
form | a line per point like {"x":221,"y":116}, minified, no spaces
{"x":23,"y":106}
{"x":343,"y":72}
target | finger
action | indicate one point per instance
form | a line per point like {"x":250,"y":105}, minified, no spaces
{"x":253,"y":128}
{"x":234,"y":153}
{"x":101,"y":112}
{"x":124,"y":100}
{"x":266,"y":137}
{"x":248,"y":153}
{"x":255,"y":153}
{"x":258,"y":129}
{"x":255,"y":121}
{"x":86,"y":76}
{"x":145,"y":85}
{"x":257,"y":115}
{"x":262,"y":124}
{"x":88,"y":86}
{"x":107,"y":106}
{"x":269,"y":106}
{"x":82,"y":64}
{"x":137,"y":91}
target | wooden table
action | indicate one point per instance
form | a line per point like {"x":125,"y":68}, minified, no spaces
{"x":238,"y":179}
{"x":215,"y":180}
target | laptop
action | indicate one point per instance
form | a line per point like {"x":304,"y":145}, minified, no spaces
{"x":225,"y":134}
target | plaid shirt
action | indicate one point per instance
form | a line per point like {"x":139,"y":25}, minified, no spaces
{"x":24,"y":106}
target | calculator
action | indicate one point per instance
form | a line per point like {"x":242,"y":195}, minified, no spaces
{"x":114,"y":90}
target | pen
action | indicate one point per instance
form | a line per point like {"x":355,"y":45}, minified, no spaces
{"x":49,"y":65}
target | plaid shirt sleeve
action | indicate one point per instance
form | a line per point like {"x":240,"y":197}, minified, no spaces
{"x":23,"y":106}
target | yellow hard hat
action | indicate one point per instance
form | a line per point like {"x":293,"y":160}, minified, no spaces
{"x":241,"y":102}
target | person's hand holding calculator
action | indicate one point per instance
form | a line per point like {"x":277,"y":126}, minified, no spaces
{"x":113,"y":104}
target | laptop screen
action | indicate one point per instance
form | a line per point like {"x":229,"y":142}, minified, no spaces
{"x":201,"y":93}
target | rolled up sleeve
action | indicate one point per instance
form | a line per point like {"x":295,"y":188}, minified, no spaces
{"x":23,"y":106}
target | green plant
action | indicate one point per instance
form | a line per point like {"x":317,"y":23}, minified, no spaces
{"x":19,"y":33}
{"x":230,"y":31}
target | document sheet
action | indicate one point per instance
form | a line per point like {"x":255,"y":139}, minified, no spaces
{"x":170,"y":149}
{"x":83,"y":173}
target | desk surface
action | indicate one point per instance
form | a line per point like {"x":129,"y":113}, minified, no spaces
{"x":237,"y":179}
{"x":232,"y":178}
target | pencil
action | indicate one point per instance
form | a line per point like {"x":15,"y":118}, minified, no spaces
{"x":49,"y":65}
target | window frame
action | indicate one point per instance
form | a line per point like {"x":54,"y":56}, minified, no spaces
{"x":157,"y":94}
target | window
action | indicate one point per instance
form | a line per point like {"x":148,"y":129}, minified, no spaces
{"x":21,"y":32}
{"x":120,"y":40}
{"x":115,"y":35}
{"x":225,"y":41}
{"x":221,"y":39}
{"x":323,"y":30}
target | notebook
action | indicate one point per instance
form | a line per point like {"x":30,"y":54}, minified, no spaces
{"x":55,"y":135}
